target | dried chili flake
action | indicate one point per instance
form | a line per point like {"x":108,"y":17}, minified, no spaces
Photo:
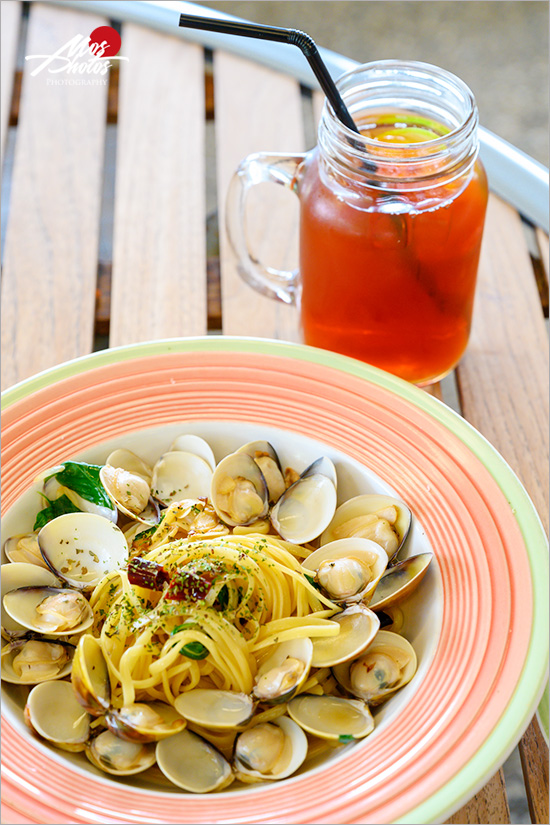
{"x":193,"y":582}
{"x":145,"y":573}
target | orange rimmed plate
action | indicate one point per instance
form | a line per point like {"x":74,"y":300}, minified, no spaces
{"x":477,"y":692}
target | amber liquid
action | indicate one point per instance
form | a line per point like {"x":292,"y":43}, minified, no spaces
{"x":394,"y":288}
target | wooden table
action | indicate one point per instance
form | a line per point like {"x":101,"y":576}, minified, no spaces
{"x":105,"y":248}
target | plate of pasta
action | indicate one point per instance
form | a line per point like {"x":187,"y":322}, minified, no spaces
{"x":251,"y":581}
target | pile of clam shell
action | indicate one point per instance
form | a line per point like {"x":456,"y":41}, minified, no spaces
{"x":351,"y":554}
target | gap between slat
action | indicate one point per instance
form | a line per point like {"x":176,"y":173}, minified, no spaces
{"x":213,"y":275}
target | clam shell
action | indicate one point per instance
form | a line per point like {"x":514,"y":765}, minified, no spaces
{"x":149,"y":514}
{"x":178,"y":475}
{"x":331,"y":717}
{"x":189,"y":443}
{"x":323,"y":466}
{"x":21,"y":574}
{"x":367,"y":553}
{"x":10,"y":651}
{"x":22,"y":604}
{"x":90,"y":676}
{"x":127,"y":460}
{"x":365,"y":505}
{"x":53,"y":711}
{"x":305,"y":509}
{"x":137,"y":722}
{"x":192,"y":763}
{"x":292,"y":756}
{"x":241,"y":508}
{"x":400,"y":580}
{"x":388,"y":643}
{"x":267,"y":460}
{"x":24,"y":548}
{"x":107,"y":751}
{"x":81,"y":548}
{"x":216,"y":709}
{"x":358,"y":627}
{"x":299,"y":649}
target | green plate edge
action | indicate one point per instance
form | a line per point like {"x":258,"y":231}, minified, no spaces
{"x":533,"y":680}
{"x":542,"y":713}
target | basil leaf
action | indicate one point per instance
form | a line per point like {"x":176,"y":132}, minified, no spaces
{"x":183,"y":626}
{"x":344,"y":738}
{"x":194,"y":650}
{"x":56,"y":507}
{"x":84,"y":480}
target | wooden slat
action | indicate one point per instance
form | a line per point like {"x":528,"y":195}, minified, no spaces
{"x":504,"y":375}
{"x":533,"y":751}
{"x":50,"y":260}
{"x":159,"y":257}
{"x":10,"y":17}
{"x":490,"y":805}
{"x":256,"y":110}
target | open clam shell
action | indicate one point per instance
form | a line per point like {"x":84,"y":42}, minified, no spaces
{"x":193,"y":764}
{"x":178,"y":475}
{"x":55,"y":611}
{"x":284,"y":671}
{"x":144,"y":722}
{"x":21,"y":574}
{"x":270,"y":750}
{"x":216,"y":709}
{"x":383,"y":519}
{"x":358,"y":627}
{"x":127,"y":460}
{"x":90,"y":676}
{"x":307,"y":507}
{"x":400,"y":580}
{"x":81,"y":548}
{"x":24,"y":548}
{"x":331,"y":717}
{"x":32,"y":661}
{"x":53,"y":712}
{"x":323,"y":466}
{"x":189,"y":443}
{"x":267,"y":460}
{"x":238,"y":490}
{"x":349,"y":569}
{"x":387,"y":665}
{"x":129,"y":492}
{"x":119,"y":757}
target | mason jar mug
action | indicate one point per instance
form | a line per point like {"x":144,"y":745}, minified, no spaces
{"x":391,"y":221}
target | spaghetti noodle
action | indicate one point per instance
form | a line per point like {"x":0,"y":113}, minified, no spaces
{"x":230,"y":599}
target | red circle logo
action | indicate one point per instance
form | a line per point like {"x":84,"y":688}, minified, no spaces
{"x":105,"y":41}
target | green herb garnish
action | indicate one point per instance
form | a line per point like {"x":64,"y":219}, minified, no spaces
{"x":194,"y":650}
{"x":345,"y":738}
{"x":84,"y":480}
{"x":56,"y":507}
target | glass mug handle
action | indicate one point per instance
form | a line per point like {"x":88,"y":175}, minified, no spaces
{"x":260,"y":167}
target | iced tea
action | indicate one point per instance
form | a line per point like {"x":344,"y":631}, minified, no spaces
{"x":389,"y":277}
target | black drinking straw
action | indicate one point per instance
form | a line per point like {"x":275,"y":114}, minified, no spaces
{"x":292,"y":36}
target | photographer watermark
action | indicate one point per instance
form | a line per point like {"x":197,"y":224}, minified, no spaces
{"x":82,"y":61}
